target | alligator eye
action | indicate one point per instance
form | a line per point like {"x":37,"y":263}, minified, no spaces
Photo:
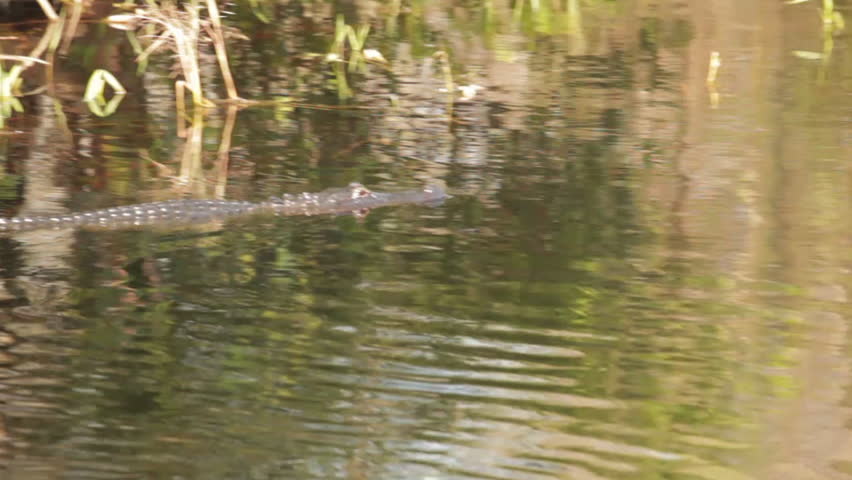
{"x":360,"y":191}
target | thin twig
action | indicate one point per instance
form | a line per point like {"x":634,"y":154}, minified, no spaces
{"x":221,"y":52}
{"x":156,"y":44}
{"x":76,"y":13}
{"x":224,"y":151}
{"x":48,"y":10}
{"x":23,"y":59}
{"x":222,"y":58}
{"x":180,"y":105}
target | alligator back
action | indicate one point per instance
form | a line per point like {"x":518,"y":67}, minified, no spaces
{"x":165,"y":213}
{"x":354,"y":198}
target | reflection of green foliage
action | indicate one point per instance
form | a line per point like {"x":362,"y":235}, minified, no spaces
{"x":655,"y":34}
{"x":649,"y":34}
{"x":9,"y":186}
{"x":261,"y":10}
{"x":680,"y":34}
{"x":548,"y":18}
{"x":347,"y":48}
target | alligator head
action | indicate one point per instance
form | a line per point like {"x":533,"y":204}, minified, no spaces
{"x":354,"y":198}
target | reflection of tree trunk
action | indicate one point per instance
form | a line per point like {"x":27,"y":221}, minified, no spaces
{"x":808,"y":232}
{"x":748,"y":201}
{"x":43,"y":253}
{"x":812,"y":432}
{"x":47,"y":250}
{"x":7,"y":359}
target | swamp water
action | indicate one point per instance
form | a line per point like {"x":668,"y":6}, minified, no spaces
{"x":641,"y":274}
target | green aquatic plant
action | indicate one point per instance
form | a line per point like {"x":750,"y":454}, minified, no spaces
{"x":98,"y":82}
{"x":95,"y":89}
{"x":832,"y":24}
{"x":343,"y":34}
{"x":831,"y":17}
{"x":348,"y":48}
{"x":10,"y":82}
{"x":11,"y":79}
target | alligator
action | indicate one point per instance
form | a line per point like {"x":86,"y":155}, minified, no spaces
{"x":355,"y":199}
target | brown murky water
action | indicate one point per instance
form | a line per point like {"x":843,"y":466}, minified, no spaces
{"x":641,"y":274}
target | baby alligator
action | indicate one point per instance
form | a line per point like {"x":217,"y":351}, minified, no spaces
{"x":352,"y":199}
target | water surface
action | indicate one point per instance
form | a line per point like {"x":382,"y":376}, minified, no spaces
{"x":640,"y":275}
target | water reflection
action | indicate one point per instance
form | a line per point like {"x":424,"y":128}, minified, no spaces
{"x":633,"y":280}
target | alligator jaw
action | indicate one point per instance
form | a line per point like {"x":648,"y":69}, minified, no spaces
{"x":364,"y":199}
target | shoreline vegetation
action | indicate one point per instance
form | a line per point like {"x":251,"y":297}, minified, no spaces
{"x":183,"y":28}
{"x":192,"y":36}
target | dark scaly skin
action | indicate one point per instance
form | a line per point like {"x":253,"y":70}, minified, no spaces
{"x":352,"y":199}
